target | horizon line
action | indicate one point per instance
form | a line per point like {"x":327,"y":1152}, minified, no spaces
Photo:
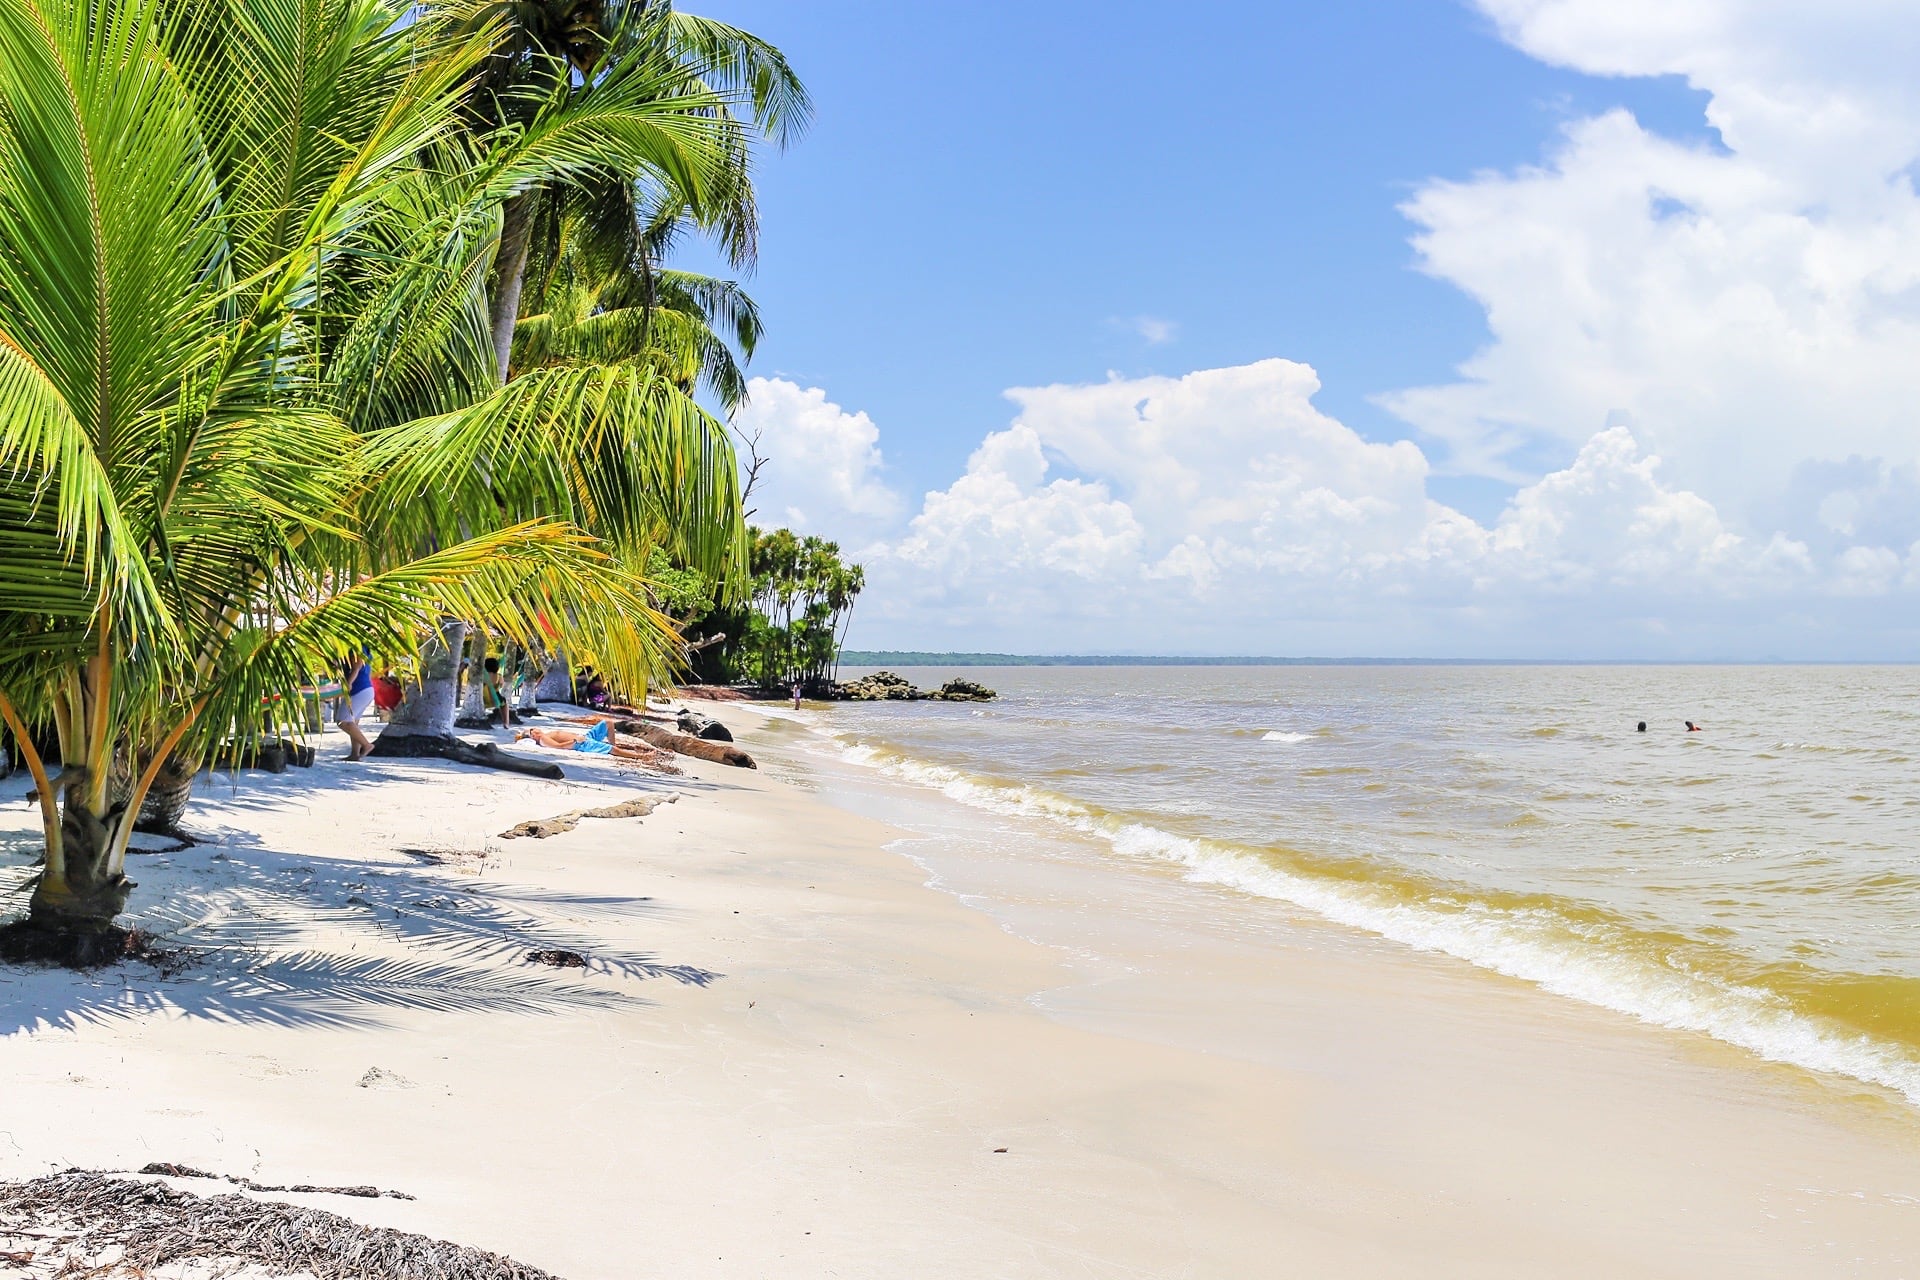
{"x":963,"y":658}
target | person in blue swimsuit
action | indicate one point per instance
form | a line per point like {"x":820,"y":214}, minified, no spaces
{"x":358,"y":685}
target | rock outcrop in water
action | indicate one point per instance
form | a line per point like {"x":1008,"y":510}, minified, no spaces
{"x":958,"y":690}
{"x":881,"y":686}
{"x":885,"y":686}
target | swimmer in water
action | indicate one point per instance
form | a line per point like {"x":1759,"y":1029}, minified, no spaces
{"x":1692,"y":727}
{"x":1641,"y":727}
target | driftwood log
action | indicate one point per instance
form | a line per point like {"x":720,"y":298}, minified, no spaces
{"x":541,"y":828}
{"x":415,"y":746}
{"x":698,"y":748}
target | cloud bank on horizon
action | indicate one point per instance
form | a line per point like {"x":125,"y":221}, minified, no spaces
{"x":1720,"y":342}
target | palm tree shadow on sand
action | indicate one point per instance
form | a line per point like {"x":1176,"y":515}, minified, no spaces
{"x":257,"y":937}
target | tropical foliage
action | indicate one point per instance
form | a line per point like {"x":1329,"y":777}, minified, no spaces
{"x":251,"y":417}
{"x":790,"y":629}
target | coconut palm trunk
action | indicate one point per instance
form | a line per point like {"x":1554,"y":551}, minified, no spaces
{"x":510,"y":276}
{"x":166,"y":801}
{"x":424,"y":718}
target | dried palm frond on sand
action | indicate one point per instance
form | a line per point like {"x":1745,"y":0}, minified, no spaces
{"x":80,"y":1223}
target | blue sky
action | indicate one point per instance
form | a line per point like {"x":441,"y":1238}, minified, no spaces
{"x":1061,"y":194}
{"x":993,"y":203}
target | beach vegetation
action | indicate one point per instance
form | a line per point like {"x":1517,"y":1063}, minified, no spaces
{"x":250,"y":415}
{"x":616,"y":129}
{"x":789,"y":630}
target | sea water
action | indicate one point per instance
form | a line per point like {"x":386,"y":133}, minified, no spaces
{"x":1757,"y":881}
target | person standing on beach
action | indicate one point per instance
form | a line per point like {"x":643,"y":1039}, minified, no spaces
{"x":493,"y":692}
{"x":358,"y":687}
{"x":796,"y":697}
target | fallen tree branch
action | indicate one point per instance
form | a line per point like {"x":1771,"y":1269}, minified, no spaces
{"x":698,"y":748}
{"x":168,"y":1170}
{"x":541,"y":828}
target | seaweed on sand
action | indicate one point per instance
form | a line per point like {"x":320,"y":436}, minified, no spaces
{"x":81,"y":1223}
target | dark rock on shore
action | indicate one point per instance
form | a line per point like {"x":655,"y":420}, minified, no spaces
{"x":698,"y":726}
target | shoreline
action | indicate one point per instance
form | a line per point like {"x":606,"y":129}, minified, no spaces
{"x":796,"y":1059}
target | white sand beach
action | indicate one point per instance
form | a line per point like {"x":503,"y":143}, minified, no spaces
{"x":792,"y":1057}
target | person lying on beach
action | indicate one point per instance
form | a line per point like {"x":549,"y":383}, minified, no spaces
{"x":597,"y":741}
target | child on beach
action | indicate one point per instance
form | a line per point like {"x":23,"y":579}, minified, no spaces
{"x":357,"y":685}
{"x":493,"y":692}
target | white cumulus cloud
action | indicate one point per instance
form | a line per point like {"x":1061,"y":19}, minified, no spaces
{"x":1749,"y":304}
{"x":1222,"y":511}
{"x":823,"y":466}
{"x":1701,"y":380}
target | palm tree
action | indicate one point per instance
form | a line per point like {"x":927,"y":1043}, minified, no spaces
{"x":195,"y":515}
{"x":642,"y":119}
{"x":684,"y":325}
{"x":565,"y":62}
{"x":414,"y":363}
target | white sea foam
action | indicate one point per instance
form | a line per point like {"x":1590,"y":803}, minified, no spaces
{"x":1527,"y":945}
{"x":1282,"y":735}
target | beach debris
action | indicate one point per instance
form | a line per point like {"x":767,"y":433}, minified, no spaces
{"x":698,"y":748}
{"x":181,"y":843}
{"x":463,"y":859}
{"x":541,"y":828}
{"x":713,"y":692}
{"x":558,"y":959}
{"x":167,"y":1169}
{"x":381,"y":1078}
{"x":999,"y":1151}
{"x":87,"y":1223}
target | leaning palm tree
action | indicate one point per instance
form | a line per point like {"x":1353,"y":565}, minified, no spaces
{"x":592,"y":107}
{"x":191,"y":523}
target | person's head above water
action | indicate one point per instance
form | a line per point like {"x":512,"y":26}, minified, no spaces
{"x":1641,"y":727}
{"x":1692,"y":727}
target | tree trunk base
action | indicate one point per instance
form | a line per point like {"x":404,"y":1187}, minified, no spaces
{"x":485,"y":755}
{"x":25,"y":942}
